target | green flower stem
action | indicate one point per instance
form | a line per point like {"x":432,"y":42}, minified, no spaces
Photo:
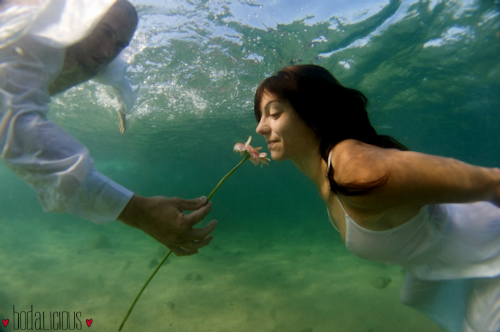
{"x":247,"y":155}
{"x":143,"y":288}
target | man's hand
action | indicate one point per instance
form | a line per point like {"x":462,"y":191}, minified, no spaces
{"x":163,"y":219}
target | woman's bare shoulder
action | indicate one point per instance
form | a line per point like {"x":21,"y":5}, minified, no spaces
{"x":357,"y":162}
{"x":360,"y":165}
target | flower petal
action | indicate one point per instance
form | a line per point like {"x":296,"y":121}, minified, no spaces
{"x":247,"y":144}
{"x":254,"y":155}
{"x":239,"y":147}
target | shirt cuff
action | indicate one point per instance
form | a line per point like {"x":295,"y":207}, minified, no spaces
{"x":100,"y":199}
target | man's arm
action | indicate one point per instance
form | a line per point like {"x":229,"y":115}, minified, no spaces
{"x":115,"y":76}
{"x":60,"y":169}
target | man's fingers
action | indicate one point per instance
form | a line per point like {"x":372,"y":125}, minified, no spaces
{"x":196,"y":216}
{"x":199,"y":234}
{"x":189,"y":247}
{"x":191,"y":204}
{"x":181,"y":251}
{"x":195,"y":245}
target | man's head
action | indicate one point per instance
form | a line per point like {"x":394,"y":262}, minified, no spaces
{"x":111,"y":35}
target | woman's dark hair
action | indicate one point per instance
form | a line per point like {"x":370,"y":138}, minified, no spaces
{"x":334,"y":112}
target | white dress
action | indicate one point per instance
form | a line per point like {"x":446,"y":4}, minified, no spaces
{"x":452,"y":255}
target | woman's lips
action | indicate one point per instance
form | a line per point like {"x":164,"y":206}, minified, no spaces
{"x":271,"y":143}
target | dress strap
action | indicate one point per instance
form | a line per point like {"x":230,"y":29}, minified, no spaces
{"x":330,"y":165}
{"x":336,"y":196}
{"x":330,"y":159}
{"x":341,"y":205}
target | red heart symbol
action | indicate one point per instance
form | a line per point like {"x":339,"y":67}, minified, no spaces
{"x":5,"y":322}
{"x":89,"y":322}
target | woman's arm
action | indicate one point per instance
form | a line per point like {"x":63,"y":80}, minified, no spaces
{"x":413,"y":179}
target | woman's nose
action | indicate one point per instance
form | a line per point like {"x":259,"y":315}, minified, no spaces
{"x":261,"y":129}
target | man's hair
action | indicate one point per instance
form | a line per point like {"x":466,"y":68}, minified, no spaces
{"x":127,"y":6}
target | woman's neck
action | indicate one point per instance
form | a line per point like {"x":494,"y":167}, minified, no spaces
{"x":315,"y":168}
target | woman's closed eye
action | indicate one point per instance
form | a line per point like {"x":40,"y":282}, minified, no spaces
{"x":275,"y":111}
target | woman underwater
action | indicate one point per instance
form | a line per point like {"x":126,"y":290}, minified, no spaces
{"x":437,"y":217}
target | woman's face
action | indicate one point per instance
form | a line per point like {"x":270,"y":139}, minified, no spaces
{"x":287,"y":135}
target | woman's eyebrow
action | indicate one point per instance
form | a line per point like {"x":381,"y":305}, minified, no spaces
{"x":269,"y":103}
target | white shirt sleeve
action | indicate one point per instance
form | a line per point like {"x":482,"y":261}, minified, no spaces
{"x":115,"y":76}
{"x":56,"y":23}
{"x":56,"y":165}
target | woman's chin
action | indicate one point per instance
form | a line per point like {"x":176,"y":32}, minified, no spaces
{"x":277,"y":157}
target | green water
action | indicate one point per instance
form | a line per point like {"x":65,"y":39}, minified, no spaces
{"x":432,"y":73}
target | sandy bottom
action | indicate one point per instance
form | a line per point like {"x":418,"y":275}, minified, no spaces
{"x":244,"y":281}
